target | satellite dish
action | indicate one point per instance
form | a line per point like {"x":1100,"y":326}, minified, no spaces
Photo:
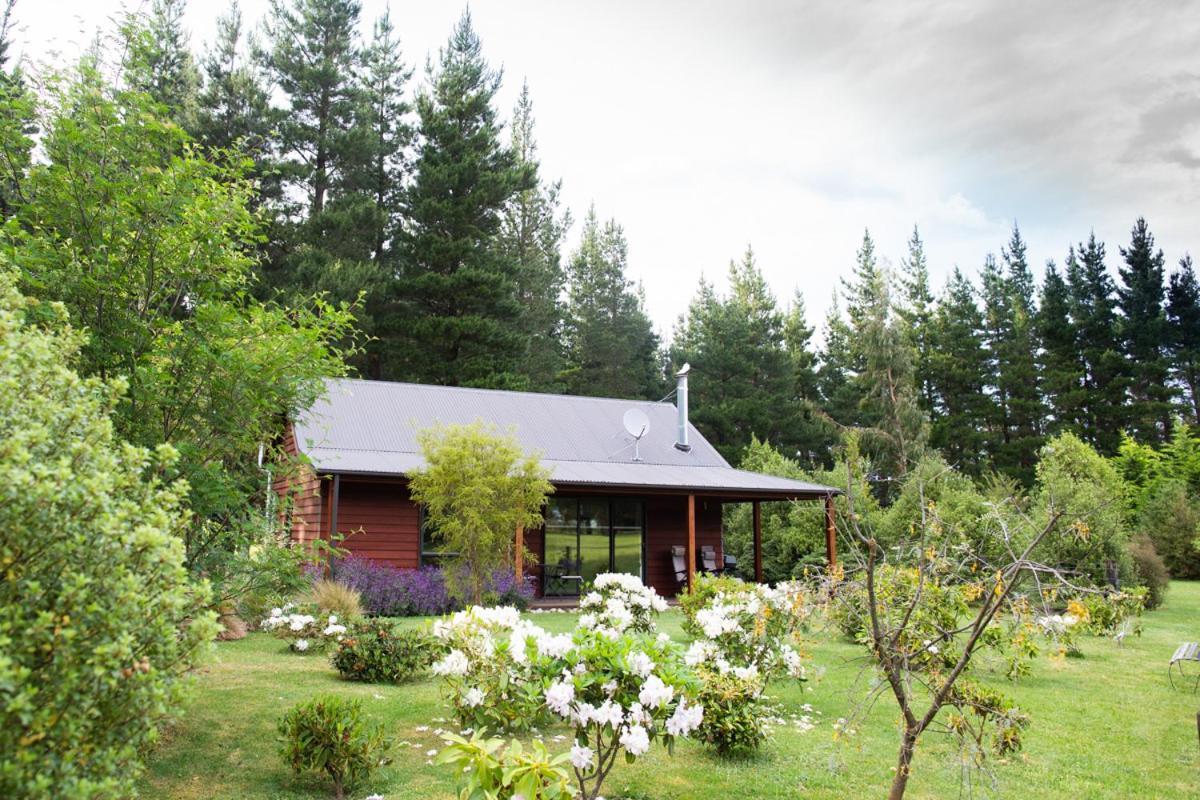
{"x":637,"y":425}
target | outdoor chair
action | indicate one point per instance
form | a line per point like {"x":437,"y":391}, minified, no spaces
{"x":708,"y":560}
{"x":679,"y":564}
{"x":1188,"y":651}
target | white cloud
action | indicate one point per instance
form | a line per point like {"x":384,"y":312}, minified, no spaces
{"x":704,"y":126}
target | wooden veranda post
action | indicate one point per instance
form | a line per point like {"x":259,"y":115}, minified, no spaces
{"x":691,"y":542}
{"x":519,"y":555}
{"x":758,"y":572}
{"x":830,"y":533}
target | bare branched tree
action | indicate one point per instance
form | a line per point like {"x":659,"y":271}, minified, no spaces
{"x":929,"y":606}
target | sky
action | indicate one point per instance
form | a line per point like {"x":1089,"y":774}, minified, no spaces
{"x":706,"y":127}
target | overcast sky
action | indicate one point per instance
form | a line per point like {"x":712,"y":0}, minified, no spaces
{"x":706,"y":126}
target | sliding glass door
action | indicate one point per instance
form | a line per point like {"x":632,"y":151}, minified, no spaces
{"x":588,"y":536}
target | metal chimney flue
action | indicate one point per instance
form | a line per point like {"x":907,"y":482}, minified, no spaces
{"x":681,"y":406}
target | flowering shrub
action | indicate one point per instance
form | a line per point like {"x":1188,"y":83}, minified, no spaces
{"x":374,"y":652}
{"x":621,"y":692}
{"x":329,"y":734}
{"x":488,"y":769}
{"x":494,"y":665}
{"x":304,"y":631}
{"x":749,"y":629}
{"x":393,"y":592}
{"x":618,"y":602}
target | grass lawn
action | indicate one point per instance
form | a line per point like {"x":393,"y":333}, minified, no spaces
{"x":1104,"y":726}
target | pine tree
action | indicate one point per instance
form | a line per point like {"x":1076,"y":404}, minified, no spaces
{"x":1183,"y":335}
{"x":813,"y":433}
{"x":740,"y":364}
{"x":1141,"y":298}
{"x":1093,"y":315}
{"x":1059,"y":362}
{"x":890,"y":411}
{"x":234,"y":106}
{"x":997,"y":328}
{"x":159,"y":61}
{"x":916,"y":309}
{"x":839,"y":395}
{"x":459,"y":308}
{"x":313,"y":55}
{"x":959,"y":374}
{"x":531,"y":233}
{"x":1018,"y":366}
{"x":612,"y":350}
{"x":382,"y":120}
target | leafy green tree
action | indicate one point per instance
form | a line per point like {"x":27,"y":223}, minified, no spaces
{"x":531,"y":234}
{"x":17,"y":119}
{"x":457,"y":321}
{"x":958,"y":368}
{"x":1183,"y":335}
{"x":1170,"y":516}
{"x":1075,"y":481}
{"x":153,"y":254}
{"x":612,"y":350}
{"x":1141,"y":298}
{"x":159,"y":60}
{"x":1059,"y":361}
{"x":99,"y":621}
{"x":793,"y":534}
{"x":478,"y":487}
{"x":1094,"y":318}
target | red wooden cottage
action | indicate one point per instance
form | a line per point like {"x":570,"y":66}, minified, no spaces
{"x":621,"y":503}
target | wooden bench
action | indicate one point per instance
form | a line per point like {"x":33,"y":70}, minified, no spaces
{"x":1188,"y":651}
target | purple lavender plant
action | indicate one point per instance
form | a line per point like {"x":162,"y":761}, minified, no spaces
{"x":393,"y":592}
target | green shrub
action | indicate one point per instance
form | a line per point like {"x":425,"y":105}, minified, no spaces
{"x":335,"y":598}
{"x":1151,"y":571}
{"x":735,"y":713}
{"x":329,"y":734}
{"x":98,"y":622}
{"x":1085,"y":489}
{"x":1170,"y":516}
{"x":374,"y":652}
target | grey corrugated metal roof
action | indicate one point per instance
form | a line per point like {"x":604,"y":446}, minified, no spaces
{"x":371,"y":426}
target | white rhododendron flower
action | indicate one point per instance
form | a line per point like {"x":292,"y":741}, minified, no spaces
{"x":655,"y":693}
{"x":455,"y":663}
{"x":581,"y":757}
{"x":473,"y":697}
{"x":635,"y":740}
{"x":640,"y":664}
{"x":559,"y":696}
{"x":686,"y":719}
{"x":301,"y":645}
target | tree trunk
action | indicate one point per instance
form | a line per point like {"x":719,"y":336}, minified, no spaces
{"x":903,"y":765}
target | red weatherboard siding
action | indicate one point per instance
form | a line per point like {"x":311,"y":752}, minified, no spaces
{"x":666,"y":526}
{"x":303,"y":490}
{"x":380,"y":521}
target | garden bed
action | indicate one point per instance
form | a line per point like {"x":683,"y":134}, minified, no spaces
{"x":1106,"y":725}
